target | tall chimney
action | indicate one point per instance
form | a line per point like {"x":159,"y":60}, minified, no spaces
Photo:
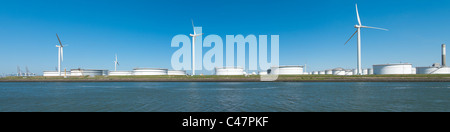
{"x":443,"y":55}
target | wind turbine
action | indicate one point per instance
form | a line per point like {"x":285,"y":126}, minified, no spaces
{"x":116,"y":63}
{"x":193,"y":47}
{"x":60,"y":54}
{"x":358,"y":30}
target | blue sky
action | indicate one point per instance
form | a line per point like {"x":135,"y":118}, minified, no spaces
{"x":312,"y":32}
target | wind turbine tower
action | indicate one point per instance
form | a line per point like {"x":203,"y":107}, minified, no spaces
{"x":193,"y":47}
{"x":116,"y":62}
{"x":358,"y":30}
{"x":60,"y":54}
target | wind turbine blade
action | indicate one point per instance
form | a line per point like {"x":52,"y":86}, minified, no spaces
{"x":59,"y":40}
{"x":351,"y":37}
{"x":118,"y":63}
{"x":357,"y":15}
{"x":193,"y":27}
{"x":199,"y":34}
{"x":375,"y":28}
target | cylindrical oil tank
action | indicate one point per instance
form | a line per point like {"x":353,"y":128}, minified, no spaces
{"x":329,"y":72}
{"x":149,"y":71}
{"x":382,"y":69}
{"x":321,"y":72}
{"x":315,"y":73}
{"x":338,"y":71}
{"x":87,"y":72}
{"x":120,"y":73}
{"x":355,"y":71}
{"x":229,"y":71}
{"x":432,"y":70}
{"x":413,"y":70}
{"x":287,"y":70}
{"x":370,"y":70}
{"x":176,"y":72}
{"x":348,"y":72}
{"x":365,"y":72}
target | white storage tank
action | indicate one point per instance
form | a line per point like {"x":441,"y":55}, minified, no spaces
{"x":348,"y":72}
{"x":365,"y":72}
{"x":287,"y":70}
{"x":432,"y":70}
{"x":315,"y":73}
{"x":149,"y":71}
{"x":401,"y":68}
{"x":329,"y":72}
{"x":87,"y":72}
{"x":120,"y":73}
{"x":413,"y":70}
{"x":338,"y":71}
{"x":229,"y":71}
{"x":176,"y":72}
{"x":321,"y":72}
{"x":370,"y":70}
{"x":355,"y":71}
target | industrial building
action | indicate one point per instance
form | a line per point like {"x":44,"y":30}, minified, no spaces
{"x":436,"y":68}
{"x":399,"y":68}
{"x":287,"y":70}
{"x":150,"y":71}
{"x":229,"y":71}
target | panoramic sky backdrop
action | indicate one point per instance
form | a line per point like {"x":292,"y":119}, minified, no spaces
{"x":140,"y":31}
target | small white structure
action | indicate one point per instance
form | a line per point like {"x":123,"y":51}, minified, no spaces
{"x":120,"y":73}
{"x":355,"y":71}
{"x":149,"y":71}
{"x":338,"y":71}
{"x":315,"y":73}
{"x":321,"y":72}
{"x":370,"y":70}
{"x":176,"y":72}
{"x":87,"y":72}
{"x":401,"y":68}
{"x":229,"y":71}
{"x":329,"y":72}
{"x":349,"y":72}
{"x":413,"y":70}
{"x":262,"y":73}
{"x":365,"y":72}
{"x":287,"y":70}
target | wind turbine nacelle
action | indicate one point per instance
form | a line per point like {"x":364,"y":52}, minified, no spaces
{"x":357,"y":26}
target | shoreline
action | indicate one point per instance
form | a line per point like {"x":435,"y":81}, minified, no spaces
{"x":210,"y":78}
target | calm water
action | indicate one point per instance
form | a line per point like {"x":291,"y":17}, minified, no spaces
{"x":290,"y":97}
